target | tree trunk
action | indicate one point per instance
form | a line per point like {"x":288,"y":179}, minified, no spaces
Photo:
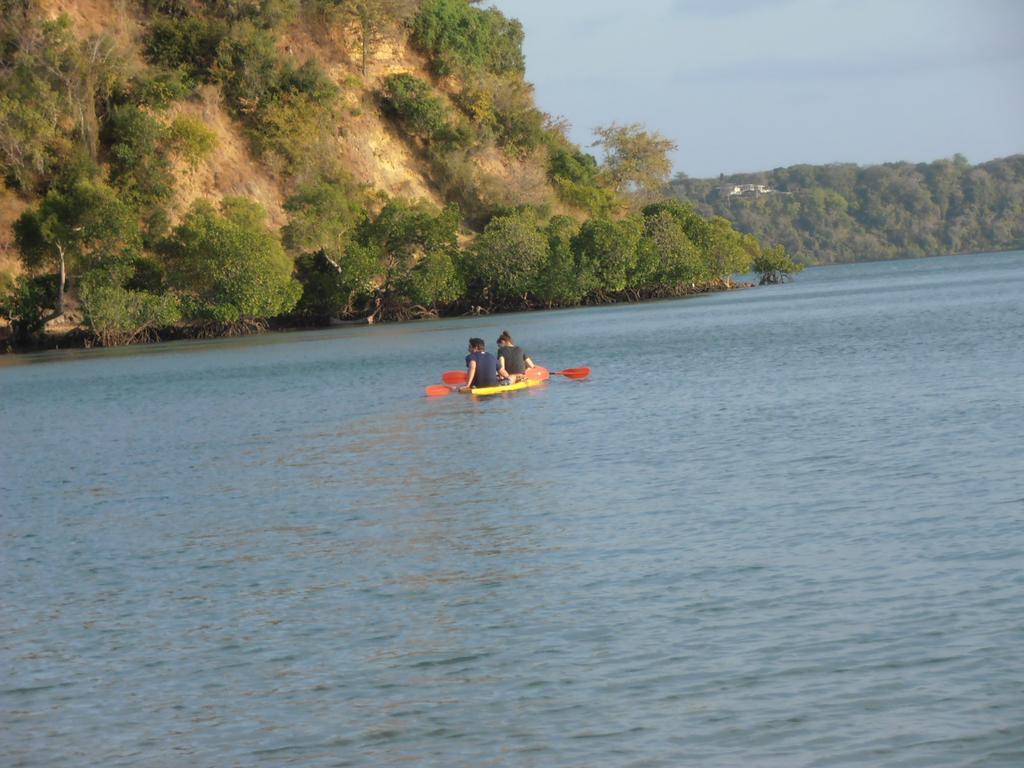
{"x":60,"y":282}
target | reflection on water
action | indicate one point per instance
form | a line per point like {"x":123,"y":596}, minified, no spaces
{"x":776,"y":527}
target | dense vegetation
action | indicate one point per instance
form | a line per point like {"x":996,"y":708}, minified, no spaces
{"x":90,"y":140}
{"x":841,"y":213}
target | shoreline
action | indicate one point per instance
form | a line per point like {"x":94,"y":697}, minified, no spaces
{"x":76,"y":336}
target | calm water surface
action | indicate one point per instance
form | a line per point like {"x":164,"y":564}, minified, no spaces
{"x":779,"y":527}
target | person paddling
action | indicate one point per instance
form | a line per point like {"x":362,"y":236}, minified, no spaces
{"x":481,"y":366}
{"x":513,"y":361}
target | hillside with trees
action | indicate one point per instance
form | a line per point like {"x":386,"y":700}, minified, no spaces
{"x":829,"y":214}
{"x":179,"y":168}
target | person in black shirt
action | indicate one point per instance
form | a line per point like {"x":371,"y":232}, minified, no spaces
{"x":513,"y":361}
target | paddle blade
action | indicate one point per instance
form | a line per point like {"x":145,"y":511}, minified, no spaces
{"x":537,"y":373}
{"x":438,"y":390}
{"x":454,"y":377}
{"x":575,"y":373}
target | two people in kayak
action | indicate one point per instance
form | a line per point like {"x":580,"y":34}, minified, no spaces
{"x":486,"y":370}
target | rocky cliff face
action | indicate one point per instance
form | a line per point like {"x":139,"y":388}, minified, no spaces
{"x":367,"y":144}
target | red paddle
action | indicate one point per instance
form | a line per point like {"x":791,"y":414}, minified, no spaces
{"x":454,"y":377}
{"x":575,"y":373}
{"x":438,"y":390}
{"x":539,"y":372}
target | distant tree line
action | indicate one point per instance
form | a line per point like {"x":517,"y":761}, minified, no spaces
{"x":843,"y":213}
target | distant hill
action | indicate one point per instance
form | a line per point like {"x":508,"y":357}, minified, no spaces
{"x":825,"y":214}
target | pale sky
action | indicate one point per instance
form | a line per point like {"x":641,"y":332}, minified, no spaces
{"x":750,"y":85}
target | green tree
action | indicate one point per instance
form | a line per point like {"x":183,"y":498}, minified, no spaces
{"x":413,"y":247}
{"x":413,"y":102}
{"x":774,"y":266}
{"x":503,"y":106}
{"x":666,"y":257}
{"x":76,"y":228}
{"x":51,"y":84}
{"x":325,"y":294}
{"x":31,"y":134}
{"x":459,"y":38}
{"x":158,"y":88}
{"x":119,"y":315}
{"x":187,"y":44}
{"x":139,"y":162}
{"x":506,"y":260}
{"x":85,"y":72}
{"x":560,"y":282}
{"x":730,"y":252}
{"x":607,"y":251}
{"x":227,"y":266}
{"x":323,"y":214}
{"x":636,"y":160}
{"x":23,"y":303}
{"x":711,"y":239}
{"x":84,"y":231}
{"x":576,"y":177}
{"x":435,"y":280}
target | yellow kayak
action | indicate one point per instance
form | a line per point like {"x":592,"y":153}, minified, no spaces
{"x":524,"y":384}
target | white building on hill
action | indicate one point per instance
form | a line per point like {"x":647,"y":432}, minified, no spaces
{"x":731,"y":190}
